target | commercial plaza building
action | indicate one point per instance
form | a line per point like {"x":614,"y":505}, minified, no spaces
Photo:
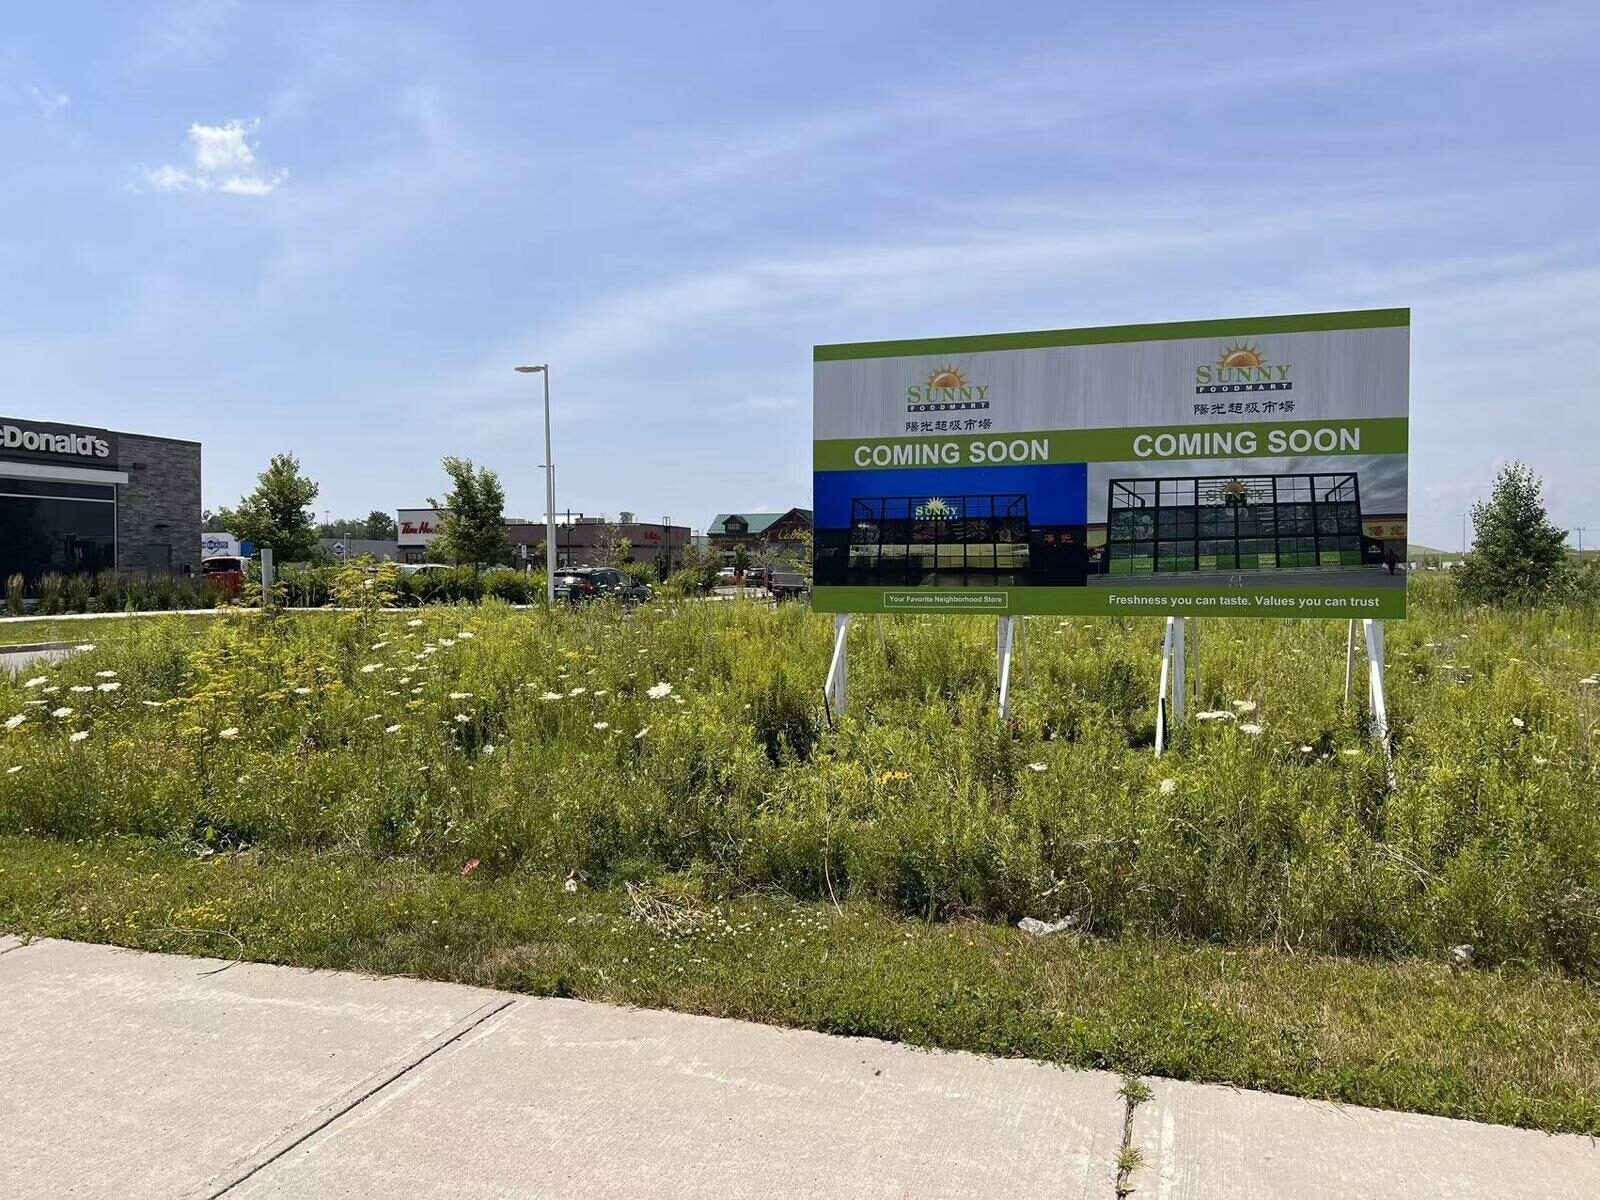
{"x":580,"y":541}
{"x":76,"y":499}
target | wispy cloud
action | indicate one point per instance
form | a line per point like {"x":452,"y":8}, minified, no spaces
{"x":224,"y":161}
{"x":185,"y":32}
{"x":50,"y":103}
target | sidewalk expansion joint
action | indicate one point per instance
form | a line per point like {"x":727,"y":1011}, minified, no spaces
{"x":358,"y":1096}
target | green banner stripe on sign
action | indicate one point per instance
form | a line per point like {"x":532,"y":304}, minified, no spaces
{"x":1151,"y":443}
{"x":1102,"y":599}
{"x":1372,"y":318}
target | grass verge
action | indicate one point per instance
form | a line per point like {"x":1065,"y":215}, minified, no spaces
{"x":96,"y":628}
{"x":1517,"y":1046}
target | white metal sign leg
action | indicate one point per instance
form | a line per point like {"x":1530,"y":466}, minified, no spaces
{"x":1376,"y":699}
{"x":1007,"y":643}
{"x":834,"y":688}
{"x":1349,"y":659}
{"x":1180,"y":690}
{"x":1161,"y":691}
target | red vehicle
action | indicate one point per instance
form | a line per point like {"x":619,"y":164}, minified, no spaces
{"x":225,"y":572}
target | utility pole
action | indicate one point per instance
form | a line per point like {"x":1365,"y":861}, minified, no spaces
{"x":1580,"y":530}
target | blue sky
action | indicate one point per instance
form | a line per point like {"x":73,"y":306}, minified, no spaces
{"x":333,"y":229}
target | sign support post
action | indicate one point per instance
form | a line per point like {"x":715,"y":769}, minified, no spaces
{"x":834,"y":687}
{"x":1171,"y":691}
{"x":1007,"y":644}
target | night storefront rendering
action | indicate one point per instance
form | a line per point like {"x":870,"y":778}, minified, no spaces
{"x":76,"y":499}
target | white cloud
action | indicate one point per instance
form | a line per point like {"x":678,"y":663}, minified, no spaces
{"x":50,"y":103}
{"x":224,"y":161}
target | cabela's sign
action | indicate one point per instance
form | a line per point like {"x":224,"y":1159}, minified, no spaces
{"x":34,"y":439}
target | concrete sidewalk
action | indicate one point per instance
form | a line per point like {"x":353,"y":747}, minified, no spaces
{"x":126,"y":1074}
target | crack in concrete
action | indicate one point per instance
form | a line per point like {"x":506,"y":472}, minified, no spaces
{"x":1134,"y":1092}
{"x":354,"y":1102}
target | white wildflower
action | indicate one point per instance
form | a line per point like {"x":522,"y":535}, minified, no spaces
{"x":415,"y":623}
{"x":1519,"y":722}
{"x":577,"y":691}
{"x":51,"y":691}
{"x":1168,"y":786}
{"x":79,"y":736}
{"x":461,"y":695}
{"x":105,"y":674}
{"x":373,"y":717}
{"x":570,"y":887}
{"x":1215,"y":715}
{"x":13,"y":722}
{"x":86,"y":646}
{"x":1306,"y":750}
{"x":417,"y":691}
{"x":462,"y":718}
{"x":110,"y":687}
{"x":12,"y":770}
{"x":602,"y":724}
{"x":1244,"y":706}
{"x":228,"y":734}
{"x":1251,"y":728}
{"x":1586,"y":681}
{"x":152,"y":703}
{"x":551,"y":696}
{"x":62,"y":712}
{"x":641,"y":733}
{"x":392,"y":729}
{"x":370,"y":668}
{"x":39,"y":680}
{"x":488,"y":750}
{"x":1038,"y":767}
{"x":447,"y":641}
{"x":302,"y":691}
{"x":600,"y":691}
{"x":1540,"y":761}
{"x":378,"y":645}
{"x":80,"y":687}
{"x":659,"y":691}
{"x":466,"y":633}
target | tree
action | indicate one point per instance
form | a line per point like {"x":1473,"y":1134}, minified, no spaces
{"x":1518,"y":556}
{"x":380,"y":526}
{"x":615,"y":550}
{"x":211,"y":522}
{"x":278,"y":512}
{"x":472,"y":522}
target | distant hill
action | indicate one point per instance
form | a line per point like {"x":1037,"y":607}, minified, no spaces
{"x":1416,"y":551}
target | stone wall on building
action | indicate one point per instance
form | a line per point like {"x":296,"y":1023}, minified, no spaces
{"x":158,"y":509}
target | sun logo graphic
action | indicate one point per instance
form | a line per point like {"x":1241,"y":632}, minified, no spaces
{"x":1242,"y":367}
{"x":947,"y":389}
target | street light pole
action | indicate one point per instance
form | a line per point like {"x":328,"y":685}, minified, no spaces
{"x":549,"y":490}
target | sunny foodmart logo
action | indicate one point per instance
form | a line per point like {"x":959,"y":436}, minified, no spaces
{"x":947,"y":390}
{"x":1241,"y":367}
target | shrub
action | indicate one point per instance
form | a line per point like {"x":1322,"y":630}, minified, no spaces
{"x":15,"y":586}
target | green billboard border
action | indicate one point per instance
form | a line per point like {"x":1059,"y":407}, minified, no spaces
{"x":1381,"y":435}
{"x":1368,"y":318}
{"x":1109,"y":600}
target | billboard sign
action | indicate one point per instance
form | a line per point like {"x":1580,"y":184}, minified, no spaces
{"x":1249,"y":467}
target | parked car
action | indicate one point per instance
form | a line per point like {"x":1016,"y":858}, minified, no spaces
{"x":225,"y":572}
{"x":577,"y":585}
{"x":787,"y":585}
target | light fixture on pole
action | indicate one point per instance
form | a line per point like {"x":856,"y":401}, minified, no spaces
{"x":549,"y":489}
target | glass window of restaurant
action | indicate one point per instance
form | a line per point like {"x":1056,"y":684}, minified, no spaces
{"x":48,"y":526}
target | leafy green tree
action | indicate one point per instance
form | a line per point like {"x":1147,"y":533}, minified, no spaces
{"x":1518,"y":556}
{"x":278,"y":512}
{"x":380,"y":527}
{"x":472,"y":521}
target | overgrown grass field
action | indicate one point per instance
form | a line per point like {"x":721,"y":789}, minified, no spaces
{"x":677,"y":769}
